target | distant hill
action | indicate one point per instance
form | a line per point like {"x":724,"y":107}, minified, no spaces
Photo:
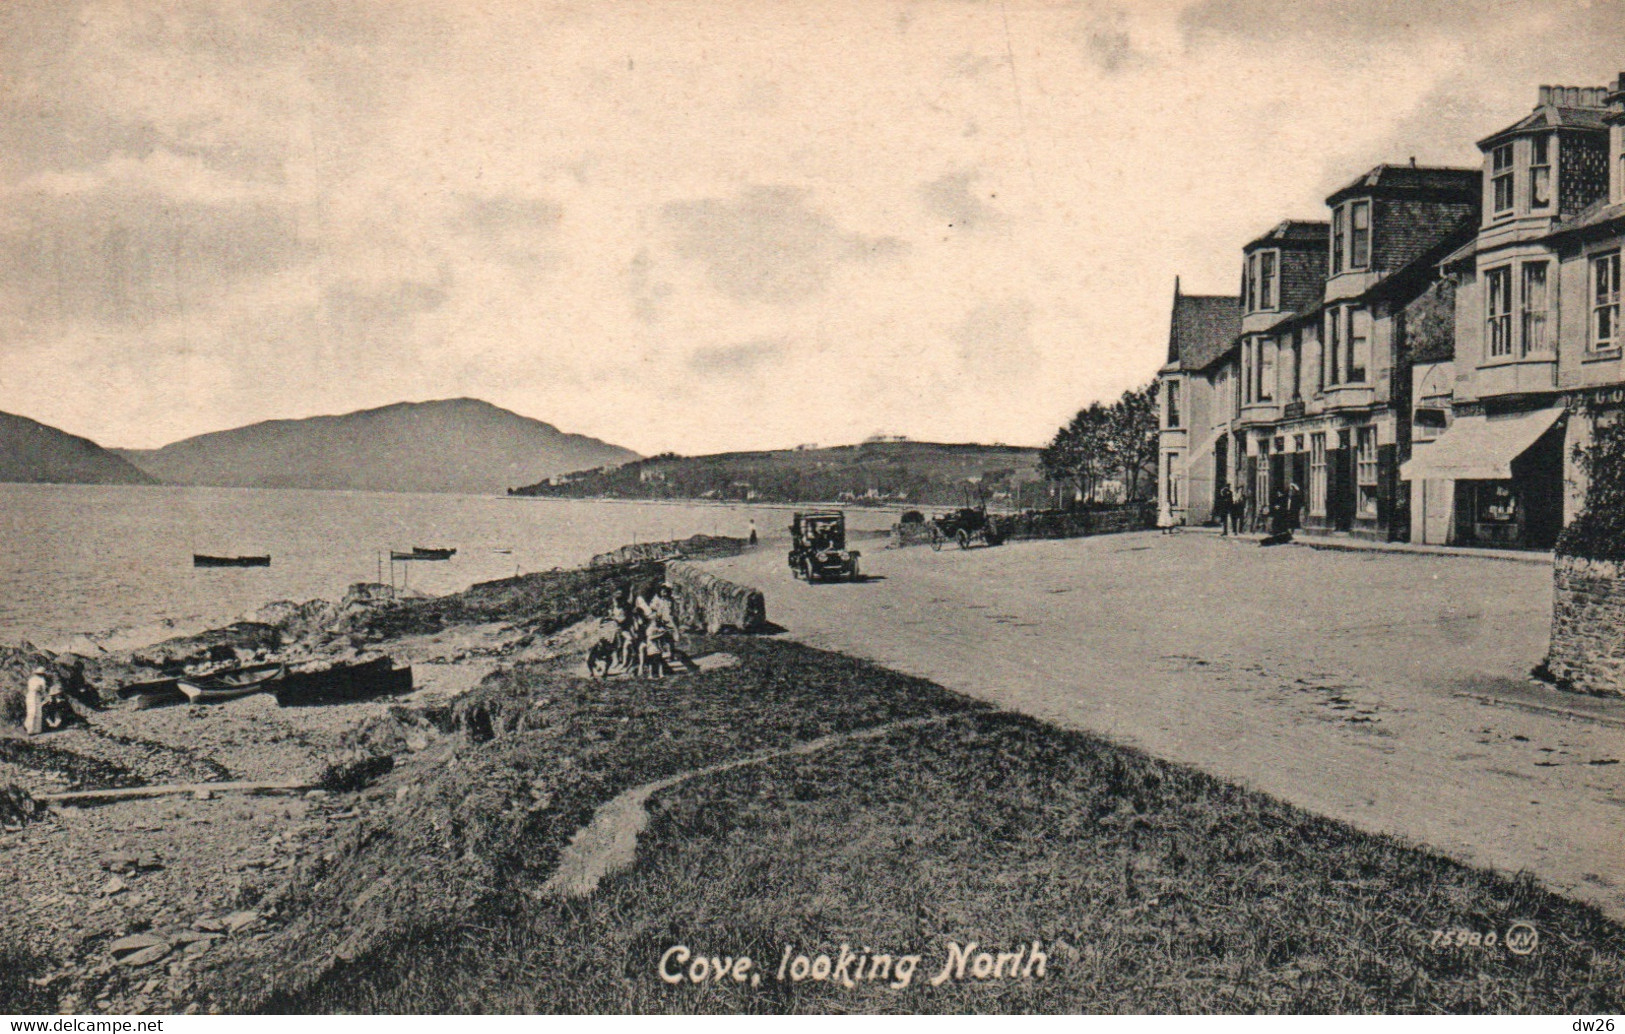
{"x":916,"y":473}
{"x":32,"y":451}
{"x":452,"y":445}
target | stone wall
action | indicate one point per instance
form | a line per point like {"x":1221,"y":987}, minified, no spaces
{"x":1050,"y":524}
{"x":702,"y":602}
{"x":1587,"y":652}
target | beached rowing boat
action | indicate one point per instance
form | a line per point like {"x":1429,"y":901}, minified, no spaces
{"x":232,"y":683}
{"x":202,"y":560}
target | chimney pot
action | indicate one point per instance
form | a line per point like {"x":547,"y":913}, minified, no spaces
{"x":1545,"y":95}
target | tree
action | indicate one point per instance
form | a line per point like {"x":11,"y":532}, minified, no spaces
{"x":1104,"y":441}
{"x":1078,"y":453}
{"x":1131,"y":439}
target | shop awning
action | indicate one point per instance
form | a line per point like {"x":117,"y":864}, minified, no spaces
{"x":1479,"y":448}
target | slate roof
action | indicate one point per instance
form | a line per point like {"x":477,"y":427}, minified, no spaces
{"x":1600,"y":217}
{"x":1203,"y":328}
{"x":1550,"y":116}
{"x":1413,"y":179}
{"x":1293,"y":231}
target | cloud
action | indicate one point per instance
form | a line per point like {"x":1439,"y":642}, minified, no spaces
{"x":737,"y":360}
{"x":1348,"y":22}
{"x":949,"y":197}
{"x":995,"y":338}
{"x":768,"y":244}
{"x":124,"y":256}
{"x":510,"y":227}
{"x":1107,"y":41}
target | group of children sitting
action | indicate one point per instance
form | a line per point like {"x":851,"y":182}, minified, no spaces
{"x":644,"y":641}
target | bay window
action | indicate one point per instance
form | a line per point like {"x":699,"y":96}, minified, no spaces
{"x":1498,"y":311}
{"x":1365,"y":469}
{"x":1501,"y":180}
{"x":1317,"y":474}
{"x":1605,"y":302}
{"x":1266,"y":369}
{"x":1532,"y":305}
{"x":1338,"y":235}
{"x":1359,"y":344}
{"x":1360,"y":235}
{"x":1540,"y":171}
{"x":1266,"y":279}
{"x":1334,"y":347}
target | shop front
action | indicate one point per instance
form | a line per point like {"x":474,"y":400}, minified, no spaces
{"x":1494,"y":481}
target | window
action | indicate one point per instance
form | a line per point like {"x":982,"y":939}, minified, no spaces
{"x":1266,"y":369}
{"x":1173,"y":403}
{"x":1501,"y":178}
{"x":1540,"y":171}
{"x":1605,"y":301}
{"x":1498,"y":310}
{"x":1359,"y":344}
{"x":1266,"y":279}
{"x":1295,"y":369}
{"x":1365,"y":469}
{"x":1247,"y":285}
{"x":1337,"y":239}
{"x":1334,"y":345}
{"x":1261,"y":478}
{"x":1247,"y":371}
{"x":1532,"y":306}
{"x":1360,"y":235}
{"x":1317,"y":474}
{"x":1173,"y":479}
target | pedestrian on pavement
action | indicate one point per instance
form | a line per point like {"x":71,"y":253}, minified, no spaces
{"x":1223,"y":503}
{"x":1294,"y":508}
{"x":34,"y":703}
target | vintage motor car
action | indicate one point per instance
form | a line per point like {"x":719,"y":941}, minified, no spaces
{"x":967,"y":526}
{"x":818,"y":547}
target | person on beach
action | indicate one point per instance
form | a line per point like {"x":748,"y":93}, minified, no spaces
{"x":752,"y":540}
{"x":34,"y":703}
{"x":1223,"y":504}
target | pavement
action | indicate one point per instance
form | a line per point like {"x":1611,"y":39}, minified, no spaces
{"x":1378,"y":687}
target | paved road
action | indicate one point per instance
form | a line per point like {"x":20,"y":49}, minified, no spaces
{"x":1328,"y":679}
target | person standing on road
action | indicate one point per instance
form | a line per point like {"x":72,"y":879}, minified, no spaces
{"x":1294,"y":508}
{"x":752,"y":540}
{"x":34,"y":703}
{"x":1223,"y":504}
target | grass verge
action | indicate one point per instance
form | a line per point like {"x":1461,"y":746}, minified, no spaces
{"x":1150,"y":887}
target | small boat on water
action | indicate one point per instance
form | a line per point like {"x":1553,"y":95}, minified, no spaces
{"x":231,"y":683}
{"x":419,"y":553}
{"x":203,"y":560}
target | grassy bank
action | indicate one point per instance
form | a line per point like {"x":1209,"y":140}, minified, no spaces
{"x":1149,"y":886}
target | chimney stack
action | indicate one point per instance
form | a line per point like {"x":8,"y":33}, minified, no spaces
{"x":1574,"y":96}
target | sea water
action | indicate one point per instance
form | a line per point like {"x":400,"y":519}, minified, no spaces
{"x":95,"y":559}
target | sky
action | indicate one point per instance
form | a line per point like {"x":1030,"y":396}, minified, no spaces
{"x":689,"y":226}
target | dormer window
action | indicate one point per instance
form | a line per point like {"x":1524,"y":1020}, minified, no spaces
{"x":1501,"y":179}
{"x":1339,"y":234}
{"x":1540,"y":171}
{"x":1360,"y":235}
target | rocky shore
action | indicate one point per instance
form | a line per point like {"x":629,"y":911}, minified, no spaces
{"x":133,"y":905}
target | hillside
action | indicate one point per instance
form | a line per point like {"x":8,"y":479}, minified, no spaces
{"x":919,"y":473}
{"x":452,"y":445}
{"x":32,"y":451}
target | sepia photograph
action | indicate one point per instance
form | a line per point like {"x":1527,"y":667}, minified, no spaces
{"x":832,"y":507}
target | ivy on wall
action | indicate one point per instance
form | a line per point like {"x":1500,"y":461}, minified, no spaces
{"x":1598,"y":532}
